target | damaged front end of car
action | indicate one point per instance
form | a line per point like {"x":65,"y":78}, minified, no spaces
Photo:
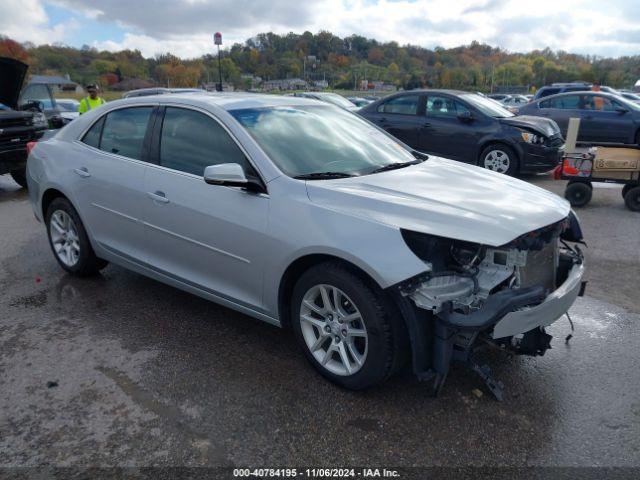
{"x":473,"y":296}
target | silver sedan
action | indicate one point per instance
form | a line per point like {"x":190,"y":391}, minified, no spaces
{"x":306,"y":216}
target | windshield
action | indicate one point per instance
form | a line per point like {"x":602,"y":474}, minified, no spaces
{"x":487,"y":106}
{"x":302,"y":140}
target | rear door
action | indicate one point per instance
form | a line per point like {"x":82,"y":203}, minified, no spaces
{"x":401,"y":117}
{"x":108,"y":179}
{"x":443,"y":133}
{"x":601,"y":122}
{"x":208,"y":236}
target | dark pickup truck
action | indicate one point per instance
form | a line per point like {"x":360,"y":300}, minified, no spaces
{"x":19,"y":124}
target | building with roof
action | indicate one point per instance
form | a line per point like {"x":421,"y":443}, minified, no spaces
{"x":56,"y":83}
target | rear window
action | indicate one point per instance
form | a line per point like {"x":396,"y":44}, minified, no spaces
{"x":548,"y":91}
{"x":405,"y":105}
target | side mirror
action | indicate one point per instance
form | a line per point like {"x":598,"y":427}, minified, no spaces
{"x":621,"y":110}
{"x":465,"y":116}
{"x":230,"y":175}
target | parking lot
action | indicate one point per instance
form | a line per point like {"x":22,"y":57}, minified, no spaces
{"x":120,"y":370}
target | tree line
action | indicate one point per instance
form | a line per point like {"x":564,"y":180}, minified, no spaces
{"x":343,"y":62}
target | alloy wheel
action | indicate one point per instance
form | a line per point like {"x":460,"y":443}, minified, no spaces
{"x":498,"y":161}
{"x":64,"y":238}
{"x":333,"y":330}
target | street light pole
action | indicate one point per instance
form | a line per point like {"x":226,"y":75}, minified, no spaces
{"x":217,"y":39}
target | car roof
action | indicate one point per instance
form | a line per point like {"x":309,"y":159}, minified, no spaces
{"x":225,"y":100}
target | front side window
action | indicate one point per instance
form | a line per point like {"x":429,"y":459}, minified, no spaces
{"x":302,"y":140}
{"x":191,"y":141}
{"x":599,"y":103}
{"x":124,"y":130}
{"x":405,"y":105}
{"x":438,"y":106}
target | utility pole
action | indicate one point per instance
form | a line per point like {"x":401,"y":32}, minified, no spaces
{"x":217,"y":39}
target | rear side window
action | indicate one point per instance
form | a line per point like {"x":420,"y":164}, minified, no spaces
{"x":191,"y":141}
{"x":92,"y":137}
{"x":124,"y":130}
{"x":405,"y":105}
{"x":570,"y":102}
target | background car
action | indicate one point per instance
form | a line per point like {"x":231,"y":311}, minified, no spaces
{"x":359,"y":101}
{"x":555,"y":88}
{"x":497,"y":96}
{"x":632,"y":97}
{"x":20,"y":124}
{"x":68,"y":108}
{"x":515,"y":100}
{"x":466,"y":127}
{"x":329,"y":97}
{"x":604,"y":117}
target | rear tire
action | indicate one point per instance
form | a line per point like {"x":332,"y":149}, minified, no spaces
{"x":360,"y":329}
{"x":626,"y":188}
{"x":578,"y":193}
{"x":499,"y":158}
{"x":69,"y":241}
{"x":20,"y":177}
{"x":632,"y":199}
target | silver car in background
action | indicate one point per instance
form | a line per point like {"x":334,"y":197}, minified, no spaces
{"x":306,"y":216}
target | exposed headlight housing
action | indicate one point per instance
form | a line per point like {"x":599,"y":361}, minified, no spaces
{"x":533,"y":138}
{"x":442,"y":253}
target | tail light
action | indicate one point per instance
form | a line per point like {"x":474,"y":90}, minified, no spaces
{"x":30,"y":146}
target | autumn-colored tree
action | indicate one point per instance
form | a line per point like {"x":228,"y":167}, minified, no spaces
{"x":12,"y":49}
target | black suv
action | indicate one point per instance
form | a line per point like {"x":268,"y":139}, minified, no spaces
{"x":19,"y":124}
{"x":469,"y":128}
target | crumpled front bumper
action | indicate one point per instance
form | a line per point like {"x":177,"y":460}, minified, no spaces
{"x":553,"y":307}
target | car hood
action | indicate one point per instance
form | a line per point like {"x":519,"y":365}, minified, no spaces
{"x":445,"y":198}
{"x":12,"y":73}
{"x":544,"y":126}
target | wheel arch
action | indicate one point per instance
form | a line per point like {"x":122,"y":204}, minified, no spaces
{"x":497,"y":141}
{"x":49,"y":195}
{"x":302,"y":264}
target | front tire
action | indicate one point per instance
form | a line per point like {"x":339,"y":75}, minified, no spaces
{"x":69,"y":241}
{"x":345,"y":328}
{"x":499,"y":158}
{"x":20,"y":177}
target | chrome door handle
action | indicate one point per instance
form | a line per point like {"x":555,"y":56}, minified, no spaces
{"x":83,"y":172}
{"x":158,"y":196}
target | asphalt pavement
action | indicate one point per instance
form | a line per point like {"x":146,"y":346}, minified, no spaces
{"x":120,"y":370}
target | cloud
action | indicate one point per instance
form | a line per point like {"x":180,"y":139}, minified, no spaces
{"x":27,"y":21}
{"x":185,"y":27}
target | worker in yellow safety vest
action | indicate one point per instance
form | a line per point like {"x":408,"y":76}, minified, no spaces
{"x":92,"y":101}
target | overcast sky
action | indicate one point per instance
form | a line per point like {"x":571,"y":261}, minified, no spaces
{"x":185,"y":27}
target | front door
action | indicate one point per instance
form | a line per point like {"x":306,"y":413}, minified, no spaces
{"x":443,"y":133}
{"x":602,"y":122}
{"x":208,"y":236}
